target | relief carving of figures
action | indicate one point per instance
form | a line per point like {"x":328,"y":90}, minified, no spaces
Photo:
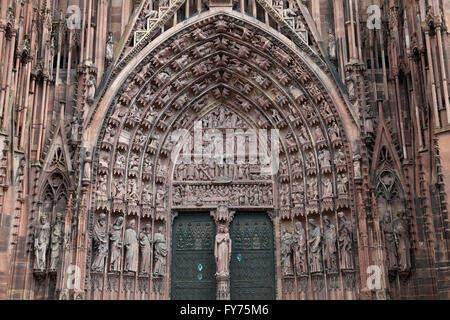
{"x":389,"y":238}
{"x":147,"y":194}
{"x":115,"y":237}
{"x":160,"y":253}
{"x":120,"y":112}
{"x":345,"y":242}
{"x":327,"y":188}
{"x":313,"y":193}
{"x":145,"y":243}
{"x":298,"y":193}
{"x":340,"y":158}
{"x":131,"y":248}
{"x":135,"y":113}
{"x":161,"y":198}
{"x":315,"y":248}
{"x":148,"y":165}
{"x":401,"y":230}
{"x":222,"y":252}
{"x":120,"y":161}
{"x":111,"y":132}
{"x":41,"y":242}
{"x":325,"y":158}
{"x":102,"y":189}
{"x":310,"y":161}
{"x":335,"y":132}
{"x":57,"y":239}
{"x":284,"y":196}
{"x":132,"y":191}
{"x":134,"y":162}
{"x":100,"y":244}
{"x":287,"y":242}
{"x":299,"y":247}
{"x":319,"y":134}
{"x":330,"y":245}
{"x":118,"y":189}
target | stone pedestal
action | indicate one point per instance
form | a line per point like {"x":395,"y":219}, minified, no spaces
{"x":223,"y":287}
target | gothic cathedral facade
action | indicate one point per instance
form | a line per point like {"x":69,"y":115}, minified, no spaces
{"x":224,"y":149}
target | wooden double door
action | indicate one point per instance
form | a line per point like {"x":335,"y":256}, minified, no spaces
{"x":252,"y":268}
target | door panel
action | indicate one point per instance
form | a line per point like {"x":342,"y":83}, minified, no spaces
{"x":252,"y":258}
{"x":193,"y":264}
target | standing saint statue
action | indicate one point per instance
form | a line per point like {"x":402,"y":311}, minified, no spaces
{"x":131,"y":248}
{"x":389,"y":239}
{"x":57,"y":239}
{"x":401,"y":230}
{"x":115,"y":238}
{"x":100,"y":244}
{"x":286,"y":253}
{"x":222,"y":252}
{"x":299,"y":248}
{"x":315,"y":247}
{"x":160,"y":253}
{"x":145,"y":243}
{"x":330,"y":245}
{"x":41,"y":242}
{"x":345,"y":242}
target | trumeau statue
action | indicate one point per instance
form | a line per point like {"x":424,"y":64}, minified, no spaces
{"x":160,"y":253}
{"x":345,"y":242}
{"x":57,"y":239}
{"x":401,"y":231}
{"x":145,"y":243}
{"x":299,"y":248}
{"x":131,"y":248}
{"x":286,"y":253}
{"x":222,"y":252}
{"x":41,"y":242}
{"x":115,"y":237}
{"x":330,"y":245}
{"x":100,"y":244}
{"x":315,"y":248}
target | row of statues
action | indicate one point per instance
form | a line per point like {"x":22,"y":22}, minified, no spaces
{"x":48,"y":239}
{"x":236,"y":195}
{"x":320,"y":246}
{"x":133,"y":250}
{"x":215,"y":170}
{"x":397,"y":241}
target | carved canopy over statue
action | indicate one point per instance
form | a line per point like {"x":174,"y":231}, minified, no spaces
{"x":222,"y":252}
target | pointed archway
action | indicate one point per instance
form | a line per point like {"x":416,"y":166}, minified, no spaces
{"x":218,"y":62}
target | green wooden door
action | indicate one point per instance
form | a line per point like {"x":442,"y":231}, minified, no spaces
{"x":252,"y":259}
{"x":193,"y":264}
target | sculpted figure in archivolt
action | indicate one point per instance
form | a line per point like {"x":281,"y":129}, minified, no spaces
{"x":222,"y":252}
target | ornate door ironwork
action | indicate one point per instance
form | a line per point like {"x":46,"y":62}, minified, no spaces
{"x":193,"y":264}
{"x":252,"y":259}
